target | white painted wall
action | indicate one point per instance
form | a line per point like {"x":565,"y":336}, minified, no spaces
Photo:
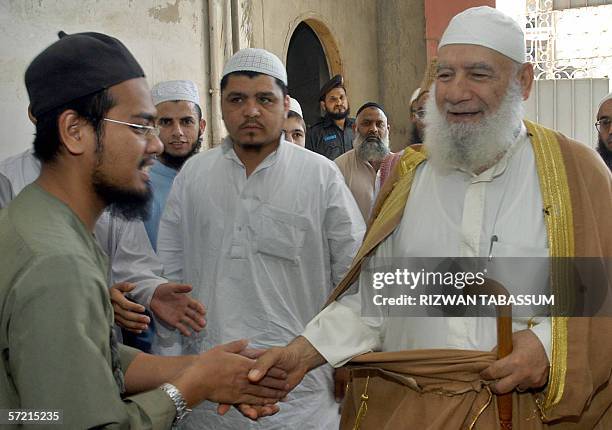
{"x":168,"y":37}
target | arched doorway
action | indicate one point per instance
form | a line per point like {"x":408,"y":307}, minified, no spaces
{"x":307,"y":70}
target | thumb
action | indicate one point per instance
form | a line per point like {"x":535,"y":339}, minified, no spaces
{"x":263,"y":364}
{"x":235,"y":346}
{"x":124,"y":287}
{"x":223,"y":408}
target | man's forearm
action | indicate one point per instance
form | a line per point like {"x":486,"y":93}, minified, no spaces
{"x":308,"y":355}
{"x":147,"y":371}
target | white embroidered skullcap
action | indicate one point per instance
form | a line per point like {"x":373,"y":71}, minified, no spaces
{"x":256,"y":60}
{"x":294,"y":105}
{"x":605,"y":99}
{"x":414,"y":95}
{"x":174,"y":91}
{"x":488,"y":27}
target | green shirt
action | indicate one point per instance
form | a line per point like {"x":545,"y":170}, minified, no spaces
{"x":56,"y":318}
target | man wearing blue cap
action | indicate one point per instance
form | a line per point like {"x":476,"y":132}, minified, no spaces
{"x":96,"y":139}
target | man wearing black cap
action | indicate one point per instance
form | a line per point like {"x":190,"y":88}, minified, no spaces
{"x":360,"y":165}
{"x":332,"y":135}
{"x":96,"y":139}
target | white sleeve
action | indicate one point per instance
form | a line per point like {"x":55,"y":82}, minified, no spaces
{"x":169,"y":237}
{"x":339,"y":333}
{"x":343,"y":226}
{"x":135,"y":261}
{"x":543,"y":330}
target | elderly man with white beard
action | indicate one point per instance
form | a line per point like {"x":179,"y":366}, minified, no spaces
{"x":360,"y":165}
{"x":486,"y":184}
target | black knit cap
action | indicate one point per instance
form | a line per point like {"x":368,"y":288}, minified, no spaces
{"x":335,"y":82}
{"x":369,"y":105}
{"x":75,"y":66}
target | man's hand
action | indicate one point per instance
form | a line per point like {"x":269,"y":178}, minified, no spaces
{"x":128,"y":314}
{"x":220,"y":375}
{"x":526,"y":367}
{"x":172,"y":304}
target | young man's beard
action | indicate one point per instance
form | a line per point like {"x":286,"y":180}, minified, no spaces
{"x":177,"y":161}
{"x":605,"y":153}
{"x":126,"y":203}
{"x":338,"y":115}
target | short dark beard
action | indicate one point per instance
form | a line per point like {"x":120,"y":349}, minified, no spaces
{"x":415,"y":136}
{"x":338,"y":116}
{"x":176,"y":162}
{"x":127,"y":204}
{"x":605,"y":153}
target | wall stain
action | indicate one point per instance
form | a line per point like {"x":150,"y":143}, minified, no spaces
{"x":168,"y":14}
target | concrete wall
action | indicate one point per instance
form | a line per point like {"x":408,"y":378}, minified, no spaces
{"x":168,"y":37}
{"x":402,"y":58}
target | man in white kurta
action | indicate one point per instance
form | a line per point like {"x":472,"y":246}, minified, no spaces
{"x":262,"y":250}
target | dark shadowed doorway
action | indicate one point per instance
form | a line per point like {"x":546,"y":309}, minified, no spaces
{"x":307,"y":70}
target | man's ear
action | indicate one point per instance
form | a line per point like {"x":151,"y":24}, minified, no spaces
{"x":322,"y":105}
{"x":72,"y":128}
{"x":202,"y":125}
{"x":525,"y":79}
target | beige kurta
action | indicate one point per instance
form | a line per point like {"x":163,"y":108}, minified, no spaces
{"x":360,"y":177}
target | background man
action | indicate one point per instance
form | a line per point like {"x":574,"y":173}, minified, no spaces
{"x":294,"y":126}
{"x":261,"y":246}
{"x":181,"y":129}
{"x":96,"y":140}
{"x":360,"y":165}
{"x":332,"y":135}
{"x":604,"y":119}
{"x":488,"y":179}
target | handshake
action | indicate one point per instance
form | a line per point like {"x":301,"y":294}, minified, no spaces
{"x":254,"y":381}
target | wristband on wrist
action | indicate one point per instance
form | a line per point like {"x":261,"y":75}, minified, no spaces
{"x":179,"y":402}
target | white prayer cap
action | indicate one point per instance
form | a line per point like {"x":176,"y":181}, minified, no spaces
{"x":256,"y":60}
{"x":605,"y":99}
{"x":175,"y":90}
{"x":415,"y":95}
{"x":294,"y":105}
{"x":488,"y":27}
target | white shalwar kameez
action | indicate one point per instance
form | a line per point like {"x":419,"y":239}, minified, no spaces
{"x":453,"y":215}
{"x":262,"y":253}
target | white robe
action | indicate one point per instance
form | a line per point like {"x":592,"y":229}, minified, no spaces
{"x":262,"y":253}
{"x":452,"y":215}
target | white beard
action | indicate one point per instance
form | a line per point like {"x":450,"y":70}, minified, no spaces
{"x":472,"y":146}
{"x":371,"y":150}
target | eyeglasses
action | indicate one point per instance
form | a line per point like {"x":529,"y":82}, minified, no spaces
{"x":603,"y":125}
{"x":420,"y":113}
{"x":145,"y":130}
